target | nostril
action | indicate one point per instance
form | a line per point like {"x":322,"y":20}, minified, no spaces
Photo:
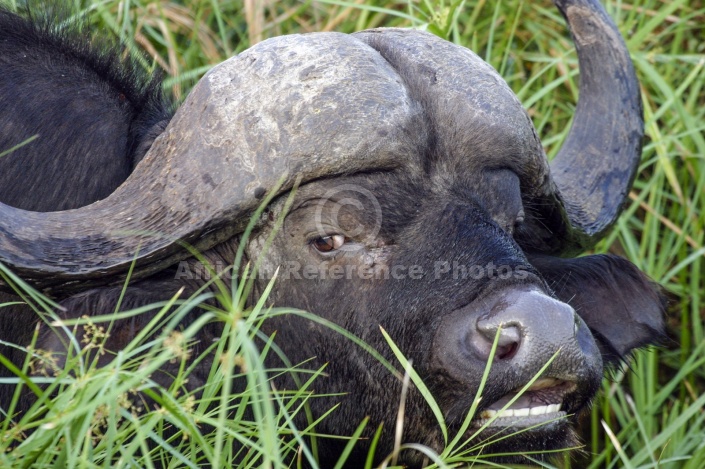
{"x":508,"y":341}
{"x":506,"y":352}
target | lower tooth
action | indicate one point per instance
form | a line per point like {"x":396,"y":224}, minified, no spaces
{"x":538,"y":410}
{"x":487,"y":414}
{"x":554,"y":407}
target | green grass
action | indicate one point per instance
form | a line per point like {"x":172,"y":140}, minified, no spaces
{"x":648,"y":416}
{"x":118,"y":413}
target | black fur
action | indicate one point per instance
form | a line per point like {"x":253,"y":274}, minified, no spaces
{"x":93,"y":110}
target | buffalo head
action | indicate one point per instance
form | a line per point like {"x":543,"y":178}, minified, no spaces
{"x":425,"y":205}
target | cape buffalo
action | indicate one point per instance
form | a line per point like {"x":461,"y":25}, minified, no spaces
{"x":425,"y":205}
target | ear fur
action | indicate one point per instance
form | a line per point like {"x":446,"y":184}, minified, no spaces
{"x":623,"y":308}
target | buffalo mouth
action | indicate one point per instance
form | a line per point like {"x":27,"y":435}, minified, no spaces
{"x":542,"y":402}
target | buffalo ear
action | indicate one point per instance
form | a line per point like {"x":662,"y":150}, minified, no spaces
{"x":623,"y":308}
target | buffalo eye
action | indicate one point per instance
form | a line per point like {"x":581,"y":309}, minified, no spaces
{"x":327,"y":244}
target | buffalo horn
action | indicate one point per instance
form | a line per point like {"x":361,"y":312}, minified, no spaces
{"x":596,"y":165}
{"x":296,"y":107}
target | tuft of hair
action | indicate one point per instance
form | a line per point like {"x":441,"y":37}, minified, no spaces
{"x":66,"y":39}
{"x":85,"y":108}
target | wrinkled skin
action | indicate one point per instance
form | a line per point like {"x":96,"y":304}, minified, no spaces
{"x":450,"y":224}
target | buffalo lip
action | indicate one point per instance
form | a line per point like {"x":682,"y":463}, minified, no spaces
{"x":540,"y":403}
